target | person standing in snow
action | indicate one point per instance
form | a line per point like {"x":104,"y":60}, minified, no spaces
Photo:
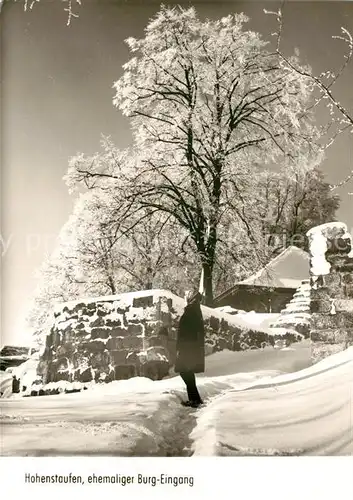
{"x":190,"y":347}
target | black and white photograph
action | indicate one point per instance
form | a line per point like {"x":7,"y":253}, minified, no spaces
{"x":176,"y":231}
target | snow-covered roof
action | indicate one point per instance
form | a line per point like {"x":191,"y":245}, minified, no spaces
{"x":287,"y":270}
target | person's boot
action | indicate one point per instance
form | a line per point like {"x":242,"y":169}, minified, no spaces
{"x":197,"y":404}
{"x":192,"y":404}
{"x":189,"y":404}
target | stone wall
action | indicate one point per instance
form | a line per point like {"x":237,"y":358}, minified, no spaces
{"x":110,"y":338}
{"x":331,"y":261}
{"x":133,"y":334}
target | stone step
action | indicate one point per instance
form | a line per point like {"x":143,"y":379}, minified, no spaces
{"x":299,"y":297}
{"x":298,"y":302}
{"x":304,"y":294}
{"x":304,"y":329}
{"x":299,"y":327}
{"x":293,"y":320}
{"x":294,"y":314}
{"x":294,"y":309}
{"x":297,"y":305}
{"x":301,"y":303}
{"x":300,"y":315}
{"x":283,"y":331}
{"x":292,"y":323}
{"x":304,"y":314}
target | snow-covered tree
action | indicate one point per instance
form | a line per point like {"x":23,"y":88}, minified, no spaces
{"x":207,"y":101}
{"x":146,"y":243}
{"x":289,"y":207}
{"x":339,"y":118}
{"x":56,"y":283}
{"x":95,"y":256}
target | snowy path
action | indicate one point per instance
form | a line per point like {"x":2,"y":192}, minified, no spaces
{"x":139,"y":418}
{"x":136,"y":417}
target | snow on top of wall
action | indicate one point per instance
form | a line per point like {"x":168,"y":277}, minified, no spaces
{"x":229,"y":310}
{"x":178,"y":305}
{"x":327,"y":229}
{"x":318,"y":249}
{"x":125,"y":298}
{"x":318,"y":244}
{"x":236,"y":321}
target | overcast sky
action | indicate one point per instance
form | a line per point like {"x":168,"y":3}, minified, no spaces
{"x":57,"y":100}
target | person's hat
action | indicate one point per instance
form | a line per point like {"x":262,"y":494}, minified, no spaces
{"x":191,"y":297}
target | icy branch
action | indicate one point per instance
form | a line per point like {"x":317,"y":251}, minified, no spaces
{"x":339,"y":184}
{"x":29,"y":4}
{"x":324,"y":88}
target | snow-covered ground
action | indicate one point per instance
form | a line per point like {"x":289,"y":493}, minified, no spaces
{"x":255,"y":405}
{"x":133,"y":417}
{"x":262,"y":320}
{"x":5,"y":384}
{"x":305,"y":413}
{"x":137,"y":417}
{"x":291,"y":359}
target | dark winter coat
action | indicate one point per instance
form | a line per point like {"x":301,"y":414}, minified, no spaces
{"x":191,"y":341}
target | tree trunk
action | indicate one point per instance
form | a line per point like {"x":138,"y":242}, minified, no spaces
{"x":111,"y":285}
{"x":149,"y":279}
{"x":207,"y":284}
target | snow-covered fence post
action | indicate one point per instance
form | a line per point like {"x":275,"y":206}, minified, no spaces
{"x":331,"y":270}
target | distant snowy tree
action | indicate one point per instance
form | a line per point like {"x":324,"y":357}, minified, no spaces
{"x":56,"y":283}
{"x":95,"y":256}
{"x":289,"y":207}
{"x":285,"y":209}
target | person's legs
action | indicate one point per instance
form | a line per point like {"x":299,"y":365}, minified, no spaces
{"x":186,"y":378}
{"x":190,"y":382}
{"x":193,"y":389}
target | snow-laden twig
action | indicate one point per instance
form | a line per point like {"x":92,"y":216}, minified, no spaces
{"x":324,"y":88}
{"x":339,"y":184}
{"x":345,"y":119}
{"x":29,"y":4}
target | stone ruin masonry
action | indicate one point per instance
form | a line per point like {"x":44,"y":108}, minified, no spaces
{"x":331,"y":307}
{"x":127,"y":335}
{"x":101,"y":339}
